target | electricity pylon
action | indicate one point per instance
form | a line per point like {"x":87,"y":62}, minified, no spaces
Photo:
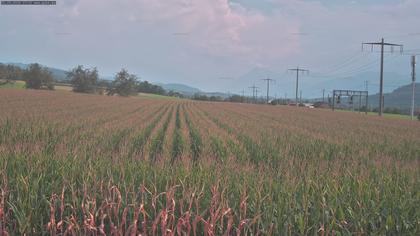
{"x":381,"y":84}
{"x":298,"y":70}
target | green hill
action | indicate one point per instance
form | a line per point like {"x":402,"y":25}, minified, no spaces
{"x":180,"y":88}
{"x":399,"y":98}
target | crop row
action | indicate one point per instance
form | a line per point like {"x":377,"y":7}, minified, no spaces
{"x":156,"y":147}
{"x":177,"y":140}
{"x":195,"y":139}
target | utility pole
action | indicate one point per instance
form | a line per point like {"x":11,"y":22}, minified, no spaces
{"x":298,"y":70}
{"x":413,"y":74}
{"x":243,"y":95}
{"x":300,"y":100}
{"x":268,"y":86}
{"x":381,"y":84}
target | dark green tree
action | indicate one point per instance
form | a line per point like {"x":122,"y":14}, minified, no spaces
{"x":124,"y":84}
{"x":83,"y":80}
{"x":146,"y":87}
{"x":38,"y":77}
{"x":175,"y":94}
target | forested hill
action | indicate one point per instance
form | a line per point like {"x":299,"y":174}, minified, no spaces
{"x":399,"y":98}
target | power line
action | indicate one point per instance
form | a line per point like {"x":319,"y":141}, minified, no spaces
{"x":353,"y":70}
{"x":343,"y":64}
{"x":402,"y":36}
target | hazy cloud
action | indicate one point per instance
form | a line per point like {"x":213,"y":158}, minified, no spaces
{"x":198,"y":41}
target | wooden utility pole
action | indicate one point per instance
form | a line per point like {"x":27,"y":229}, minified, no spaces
{"x":298,"y":70}
{"x":381,"y":83}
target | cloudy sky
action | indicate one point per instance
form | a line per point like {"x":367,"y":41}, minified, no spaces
{"x":211,"y":44}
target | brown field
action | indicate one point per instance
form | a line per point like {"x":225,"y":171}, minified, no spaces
{"x":80,"y":164}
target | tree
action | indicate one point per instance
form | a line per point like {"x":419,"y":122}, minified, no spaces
{"x":83,"y":80}
{"x":175,"y":94}
{"x":200,"y":97}
{"x":146,"y":87}
{"x":235,"y":98}
{"x":10,"y":72}
{"x":38,"y":77}
{"x":124,"y":84}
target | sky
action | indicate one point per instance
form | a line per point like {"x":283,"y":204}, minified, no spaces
{"x":213,"y":44}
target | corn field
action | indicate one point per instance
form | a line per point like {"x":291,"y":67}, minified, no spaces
{"x":74,"y":164}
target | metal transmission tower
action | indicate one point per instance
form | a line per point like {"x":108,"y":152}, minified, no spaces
{"x":268,"y":86}
{"x":413,"y":74}
{"x":338,"y":94}
{"x":298,"y":70}
{"x":254,"y":91}
{"x":381,"y":84}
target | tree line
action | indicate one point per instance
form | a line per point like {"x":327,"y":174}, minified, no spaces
{"x":35,"y":76}
{"x":82,"y":80}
